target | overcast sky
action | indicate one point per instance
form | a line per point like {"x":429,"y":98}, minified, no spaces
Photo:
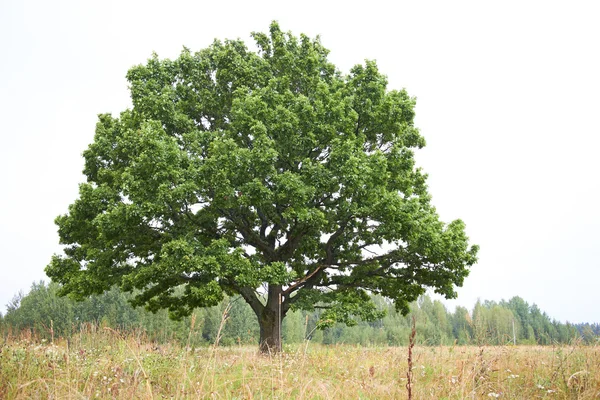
{"x":508,"y":99}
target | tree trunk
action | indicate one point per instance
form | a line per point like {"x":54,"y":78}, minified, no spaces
{"x":270,"y":322}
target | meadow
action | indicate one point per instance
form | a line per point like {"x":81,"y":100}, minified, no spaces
{"x":104,"y":363}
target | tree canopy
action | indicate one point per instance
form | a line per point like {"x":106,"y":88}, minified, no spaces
{"x":268,"y":174}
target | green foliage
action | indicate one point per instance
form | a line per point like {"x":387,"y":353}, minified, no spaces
{"x":237,"y":170}
{"x":41,"y":310}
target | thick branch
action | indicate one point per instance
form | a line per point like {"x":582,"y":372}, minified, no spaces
{"x":251,"y":237}
{"x":287,"y":249}
{"x":250,"y":297}
{"x":381,"y":258}
{"x":295,"y":286}
{"x":357,"y":280}
{"x":264,"y":225}
{"x":329,"y":245}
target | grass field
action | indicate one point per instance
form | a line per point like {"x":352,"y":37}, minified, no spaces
{"x":108,"y":364}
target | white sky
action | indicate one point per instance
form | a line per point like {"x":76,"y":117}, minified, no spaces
{"x":508,"y":101}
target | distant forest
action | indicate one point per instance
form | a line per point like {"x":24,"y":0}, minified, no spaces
{"x":44,"y":315}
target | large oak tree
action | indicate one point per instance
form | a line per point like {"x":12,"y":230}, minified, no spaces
{"x":267,"y":174}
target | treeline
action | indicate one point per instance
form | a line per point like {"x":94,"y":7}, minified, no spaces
{"x":44,"y":314}
{"x":589,"y":332}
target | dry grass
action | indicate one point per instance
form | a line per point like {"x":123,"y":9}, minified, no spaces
{"x":107,"y":364}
